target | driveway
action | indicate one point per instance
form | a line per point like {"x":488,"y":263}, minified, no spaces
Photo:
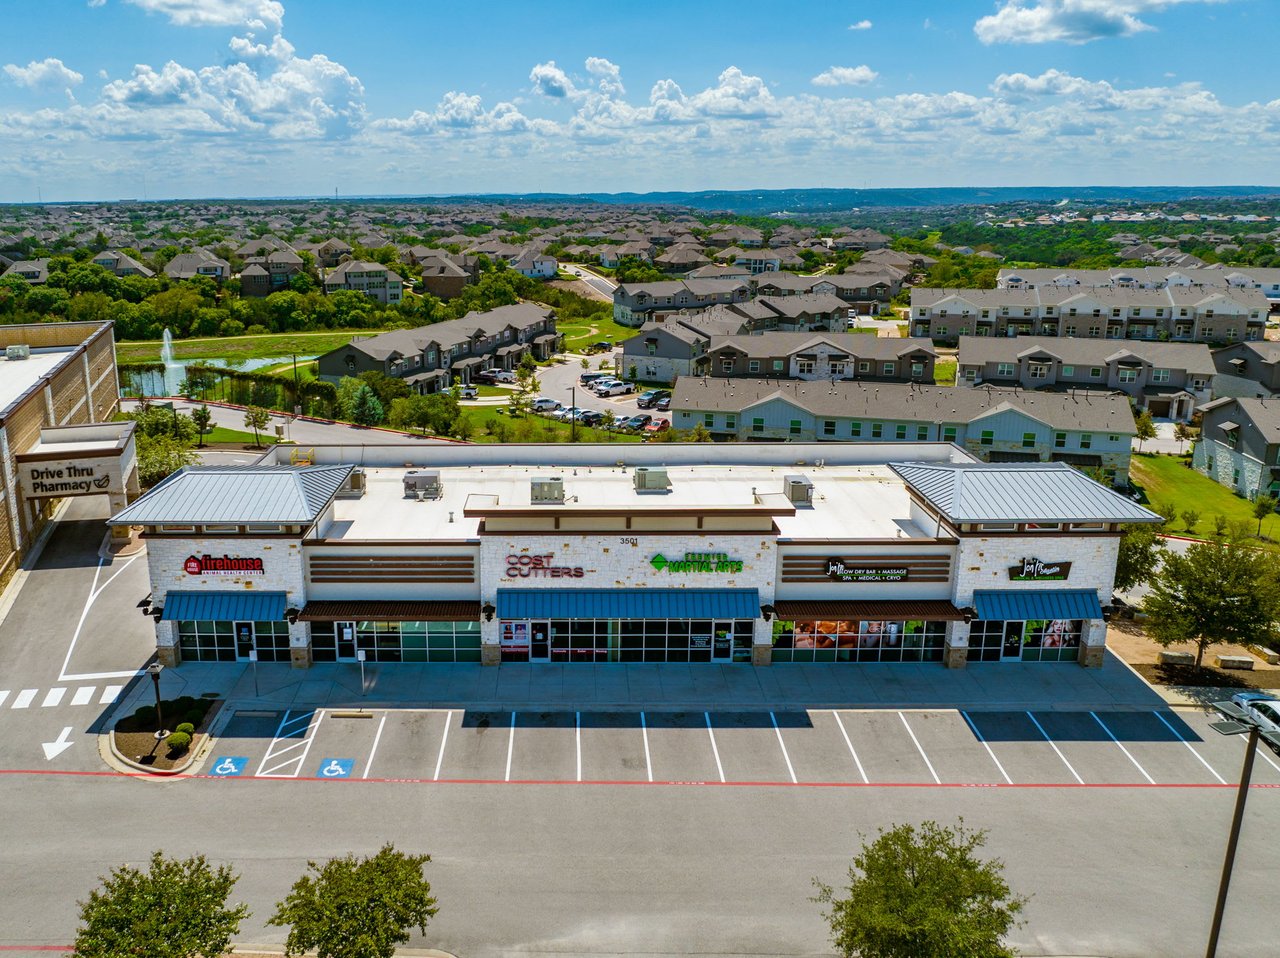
{"x":594,"y":280}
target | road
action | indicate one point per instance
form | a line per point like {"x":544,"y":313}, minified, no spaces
{"x":561,"y":383}
{"x":594,"y":280}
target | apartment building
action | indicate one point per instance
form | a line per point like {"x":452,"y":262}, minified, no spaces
{"x":1169,"y":380}
{"x":373,"y":279}
{"x":820,"y":356}
{"x":1089,"y":430}
{"x":1266,"y":279}
{"x":635,"y":303}
{"x":1239,"y":445}
{"x":1178,"y":313}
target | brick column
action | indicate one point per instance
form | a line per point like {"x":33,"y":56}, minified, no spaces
{"x":1093,"y":644}
{"x":168,"y":652}
{"x":762,"y":642}
{"x":955,"y":651}
{"x":490,"y":650}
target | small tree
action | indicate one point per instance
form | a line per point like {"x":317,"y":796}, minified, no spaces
{"x":1215,"y":592}
{"x":1146,"y":427}
{"x":699,"y":433}
{"x":202,"y":417}
{"x":1165,"y":510}
{"x":1182,"y":433}
{"x":586,"y":363}
{"x":1190,"y":518}
{"x":922,"y":891}
{"x":366,"y":408}
{"x":1219,"y":526}
{"x":357,"y":908}
{"x":175,"y":909}
{"x":1138,"y":556}
{"x":257,"y":419}
{"x":1263,"y":506}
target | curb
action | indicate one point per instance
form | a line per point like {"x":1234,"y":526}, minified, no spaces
{"x":115,"y":759}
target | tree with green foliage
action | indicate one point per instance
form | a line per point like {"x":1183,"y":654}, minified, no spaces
{"x":1138,"y":556}
{"x":1213,"y":593}
{"x":357,"y":908}
{"x":366,"y":409}
{"x":917,"y":892}
{"x":386,"y":388}
{"x":1264,"y":506}
{"x":202,"y":417}
{"x":699,"y":433}
{"x":1146,"y":427}
{"x":1190,"y":519}
{"x":174,"y":909}
{"x":257,"y":419}
{"x":1182,"y":433}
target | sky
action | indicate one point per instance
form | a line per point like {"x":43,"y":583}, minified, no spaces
{"x":117,"y":99}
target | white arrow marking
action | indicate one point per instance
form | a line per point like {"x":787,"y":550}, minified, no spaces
{"x":53,"y":749}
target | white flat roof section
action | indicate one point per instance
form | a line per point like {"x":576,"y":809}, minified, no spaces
{"x":19,"y":375}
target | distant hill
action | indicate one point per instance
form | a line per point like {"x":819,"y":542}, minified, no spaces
{"x":837,"y":201}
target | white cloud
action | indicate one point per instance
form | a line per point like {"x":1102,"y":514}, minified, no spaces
{"x":608,"y":76}
{"x":254,"y":14}
{"x":97,"y":3}
{"x":47,"y":74}
{"x":1021,"y":87}
{"x":549,"y":80}
{"x":846,"y":76}
{"x":1069,"y":21}
{"x":860,"y":25}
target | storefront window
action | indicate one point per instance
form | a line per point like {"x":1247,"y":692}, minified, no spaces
{"x":397,"y":641}
{"x":627,"y":640}
{"x":838,"y":640}
{"x":271,"y":639}
{"x":204,"y":641}
{"x":1032,"y":640}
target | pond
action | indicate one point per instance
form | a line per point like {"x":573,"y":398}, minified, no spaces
{"x":166,"y":383}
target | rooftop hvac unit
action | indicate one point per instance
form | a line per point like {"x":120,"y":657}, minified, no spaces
{"x":546,"y":489}
{"x":354,"y":487}
{"x":650,"y":479}
{"x":423,"y":483}
{"x":798,"y":489}
{"x":20,"y":351}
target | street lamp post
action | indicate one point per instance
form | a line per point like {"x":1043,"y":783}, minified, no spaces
{"x":1238,"y":721}
{"x":154,"y":670}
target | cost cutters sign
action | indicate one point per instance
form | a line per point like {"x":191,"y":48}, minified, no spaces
{"x":222,"y":565}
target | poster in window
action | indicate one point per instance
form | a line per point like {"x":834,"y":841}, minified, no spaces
{"x":515,"y":636}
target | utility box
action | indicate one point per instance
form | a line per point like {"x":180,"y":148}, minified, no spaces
{"x":423,"y":483}
{"x":652,"y":479}
{"x":547,"y":490}
{"x":799,"y":490}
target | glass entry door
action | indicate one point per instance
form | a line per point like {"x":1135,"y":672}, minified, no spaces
{"x":346,"y":637}
{"x":1012,"y":648}
{"x":244,"y":640}
{"x":722,"y":642}
{"x":539,"y":642}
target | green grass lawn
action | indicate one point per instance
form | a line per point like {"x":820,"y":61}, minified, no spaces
{"x":220,"y":434}
{"x":538,"y":428}
{"x":944,"y":371}
{"x":241,"y":347}
{"x":579,"y":335}
{"x":1166,"y":479}
{"x":306,"y":371}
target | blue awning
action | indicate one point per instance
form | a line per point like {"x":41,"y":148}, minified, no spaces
{"x":628,"y":604}
{"x":223,"y":606}
{"x":1040,"y":604}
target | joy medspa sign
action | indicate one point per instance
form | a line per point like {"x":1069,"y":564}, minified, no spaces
{"x":838,"y":570}
{"x":1033,"y":570}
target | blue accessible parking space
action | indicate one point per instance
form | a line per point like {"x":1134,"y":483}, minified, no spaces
{"x":335,"y":768}
{"x":228,"y":766}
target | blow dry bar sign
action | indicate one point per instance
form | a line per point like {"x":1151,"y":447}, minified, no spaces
{"x":222,"y":565}
{"x":838,"y":570}
{"x":1033,"y":570}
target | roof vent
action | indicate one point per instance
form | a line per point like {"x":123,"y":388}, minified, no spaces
{"x":799,"y":489}
{"x":650,"y":479}
{"x":423,"y":483}
{"x":547,"y":490}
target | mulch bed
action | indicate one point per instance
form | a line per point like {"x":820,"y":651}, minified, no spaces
{"x":143,"y":748}
{"x":1208,"y":677}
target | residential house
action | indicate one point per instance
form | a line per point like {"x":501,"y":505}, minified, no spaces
{"x":264,"y":275}
{"x":121,"y":264}
{"x":1091,"y":431}
{"x":443,"y":277}
{"x":263,"y":246}
{"x":373,"y":279}
{"x":431,"y":358}
{"x":1168,"y":380}
{"x":716,"y":271}
{"x":34,"y":271}
{"x":535,"y":265}
{"x":680,"y":259}
{"x":860,"y":239}
{"x":1239,"y":445}
{"x":329,"y":253}
{"x":197,"y":262}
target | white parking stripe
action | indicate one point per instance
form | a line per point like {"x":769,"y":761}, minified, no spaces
{"x":856,"y":761}
{"x":4,"y":694}
{"x":1178,"y":736}
{"x":644,"y":730}
{"x":1242,"y":739}
{"x":376,"y":739}
{"x":25,"y":698}
{"x":511,"y":744}
{"x":715,"y":751}
{"x":936,"y":780}
{"x":110,"y":694}
{"x":448,"y":720}
{"x":83,"y":695}
{"x":1123,"y":749}
{"x":1055,"y":748}
{"x":293,"y":727}
{"x":53,"y":697}
{"x":987,"y":746}
{"x":777,"y":731}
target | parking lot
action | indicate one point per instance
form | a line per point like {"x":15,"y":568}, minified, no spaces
{"x":813,"y":748}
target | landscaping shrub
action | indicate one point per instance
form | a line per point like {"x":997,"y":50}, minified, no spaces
{"x":145,"y":715}
{"x":178,"y":741}
{"x":193,"y":718}
{"x":186,"y":728}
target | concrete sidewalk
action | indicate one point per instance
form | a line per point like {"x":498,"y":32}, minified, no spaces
{"x":667,"y":687}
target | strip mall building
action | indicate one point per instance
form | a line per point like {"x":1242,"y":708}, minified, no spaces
{"x":751,"y":554}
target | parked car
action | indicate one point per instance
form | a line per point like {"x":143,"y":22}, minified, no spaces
{"x":614,"y":388}
{"x":487,"y":375}
{"x":1262,"y":707}
{"x":657,"y":426}
{"x":603,"y":345}
{"x":543,"y":404}
{"x":663,"y":404}
{"x":650,"y":397}
{"x":587,"y":379}
{"x":468,"y":392}
{"x":568,"y":414}
{"x":591,"y":417}
{"x":503,"y":376}
{"x":635,"y":422}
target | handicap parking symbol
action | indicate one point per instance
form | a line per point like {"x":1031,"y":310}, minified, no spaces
{"x":336,"y":768}
{"x":229,"y":766}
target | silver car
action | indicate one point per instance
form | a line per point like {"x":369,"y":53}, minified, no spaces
{"x":1262,"y":707}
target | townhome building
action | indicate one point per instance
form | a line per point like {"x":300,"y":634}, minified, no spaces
{"x":1168,"y":380}
{"x":1239,"y":445}
{"x":635,"y":303}
{"x":860,"y":239}
{"x":1179,"y":313}
{"x":1089,"y":430}
{"x":121,"y":264}
{"x":197,"y":262}
{"x":1266,"y":279}
{"x":820,"y":356}
{"x":432,"y":358}
{"x":867,"y":294}
{"x":1248,"y":369}
{"x":264,"y":275}
{"x":373,"y":279}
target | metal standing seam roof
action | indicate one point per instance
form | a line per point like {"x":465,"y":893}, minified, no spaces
{"x":1018,"y":492}
{"x":628,"y":603}
{"x":1038,"y":604}
{"x":237,"y":494}
{"x":180,"y":605}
